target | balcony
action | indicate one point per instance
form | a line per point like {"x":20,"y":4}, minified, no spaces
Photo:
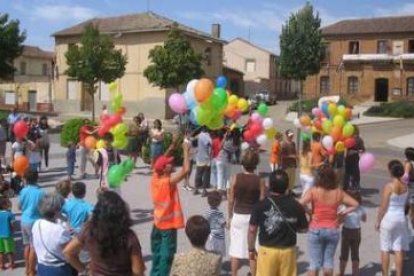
{"x":374,"y":58}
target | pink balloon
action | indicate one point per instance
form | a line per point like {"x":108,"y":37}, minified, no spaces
{"x":256,"y":118}
{"x":366,"y":162}
{"x":316,"y":112}
{"x":113,"y":120}
{"x":177,"y":103}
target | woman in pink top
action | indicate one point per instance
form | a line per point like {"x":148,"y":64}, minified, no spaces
{"x":323,"y":236}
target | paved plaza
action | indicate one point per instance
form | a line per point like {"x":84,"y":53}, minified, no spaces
{"x":136,"y":192}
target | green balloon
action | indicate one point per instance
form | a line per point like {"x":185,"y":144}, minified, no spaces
{"x":115,"y":176}
{"x":305,"y":136}
{"x":262,"y":109}
{"x":208,"y":104}
{"x":128,"y":166}
{"x":348,"y":130}
{"x":222,"y":96}
{"x":202,"y":116}
{"x":327,"y":126}
{"x":216,"y":122}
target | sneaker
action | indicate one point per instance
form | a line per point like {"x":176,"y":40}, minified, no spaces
{"x":189,"y":188}
{"x":184,"y":188}
{"x":204,"y":193}
{"x":196,"y":192}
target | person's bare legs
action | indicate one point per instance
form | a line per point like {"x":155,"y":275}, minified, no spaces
{"x":26,"y":254}
{"x":327,"y":272}
{"x":342,"y":266}
{"x":10,"y":256}
{"x":253,"y":267}
{"x":385,"y":260}
{"x":399,"y":263}
{"x":32,"y":262}
{"x":313,"y":272}
{"x":355,"y":268}
{"x":235,"y":265}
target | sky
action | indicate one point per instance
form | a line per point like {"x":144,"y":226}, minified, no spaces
{"x":259,"y":21}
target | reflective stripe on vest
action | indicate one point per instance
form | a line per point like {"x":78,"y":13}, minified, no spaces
{"x":167,"y":207}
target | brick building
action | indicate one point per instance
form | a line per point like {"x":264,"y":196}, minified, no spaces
{"x":369,"y":58}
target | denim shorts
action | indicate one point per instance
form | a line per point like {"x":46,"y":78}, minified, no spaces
{"x":322,"y":245}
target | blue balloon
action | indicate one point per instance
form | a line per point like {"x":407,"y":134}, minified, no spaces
{"x":189,"y":100}
{"x":193,"y":116}
{"x":221,"y":82}
{"x":325,"y":109}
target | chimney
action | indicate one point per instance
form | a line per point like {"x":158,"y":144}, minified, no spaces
{"x":215,"y":30}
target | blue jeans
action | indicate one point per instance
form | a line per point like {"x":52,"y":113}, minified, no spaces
{"x":71,"y":168}
{"x":322,"y":245}
{"x":64,"y":270}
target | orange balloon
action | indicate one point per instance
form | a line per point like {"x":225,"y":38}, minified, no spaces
{"x":20,"y":165}
{"x":203,"y":90}
{"x":305,"y":120}
{"x":348,"y":113}
{"x":90,"y":142}
{"x":336,"y":133}
{"x":230,"y":111}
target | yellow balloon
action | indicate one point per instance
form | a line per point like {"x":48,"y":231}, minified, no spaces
{"x":340,"y":146}
{"x":270,"y":133}
{"x":242,"y":104}
{"x":100,"y":144}
{"x":233,"y":99}
{"x":113,"y":87}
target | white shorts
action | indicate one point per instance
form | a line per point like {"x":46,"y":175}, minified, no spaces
{"x":306,"y":182}
{"x":239,"y":228}
{"x":394,"y":236}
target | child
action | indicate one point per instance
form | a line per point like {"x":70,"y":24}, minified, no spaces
{"x":105,"y":159}
{"x":63,"y":188}
{"x":34,"y":156}
{"x":216,"y":240}
{"x":275,"y":153}
{"x":76,"y":209}
{"x":6,"y":233}
{"x":71,"y":159}
{"x":351,"y":236}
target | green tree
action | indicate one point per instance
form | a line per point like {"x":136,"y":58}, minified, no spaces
{"x":175,"y":63}
{"x":11,"y":47}
{"x":95,"y":60}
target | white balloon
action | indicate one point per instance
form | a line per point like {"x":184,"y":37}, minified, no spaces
{"x":191,"y":87}
{"x":267,"y":123}
{"x":327,"y":142}
{"x":261,"y":139}
{"x":297,"y":123}
{"x":245,"y":146}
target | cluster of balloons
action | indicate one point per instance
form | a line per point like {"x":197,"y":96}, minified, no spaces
{"x":21,"y":163}
{"x":111,"y":123}
{"x":208,"y":104}
{"x":332,"y":121}
{"x":118,"y":173}
{"x":259,"y":128}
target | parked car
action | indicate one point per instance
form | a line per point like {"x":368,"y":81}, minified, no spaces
{"x":265,"y":96}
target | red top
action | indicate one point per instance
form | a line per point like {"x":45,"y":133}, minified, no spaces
{"x":325,"y":215}
{"x":215,"y":147}
{"x":83,"y":133}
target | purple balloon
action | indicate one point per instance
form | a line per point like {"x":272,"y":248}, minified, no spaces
{"x":366,"y":162}
{"x":177,"y":103}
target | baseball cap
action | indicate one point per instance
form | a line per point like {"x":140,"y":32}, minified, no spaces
{"x":289,"y":132}
{"x":162,"y":162}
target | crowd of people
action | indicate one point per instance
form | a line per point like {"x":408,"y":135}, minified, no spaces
{"x":64,"y":235}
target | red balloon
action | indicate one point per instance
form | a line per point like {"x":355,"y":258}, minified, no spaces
{"x":317,"y":124}
{"x":114,"y":120}
{"x":103,"y":130}
{"x":20,"y":129}
{"x":248,"y":136}
{"x":350,"y":142}
{"x":256,"y":129}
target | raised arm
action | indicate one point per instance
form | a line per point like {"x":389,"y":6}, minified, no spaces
{"x":177,"y":177}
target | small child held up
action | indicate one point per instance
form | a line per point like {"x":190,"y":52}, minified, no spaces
{"x":351,"y":236}
{"x":71,"y":159}
{"x":7,"y":219}
{"x":216,"y":241}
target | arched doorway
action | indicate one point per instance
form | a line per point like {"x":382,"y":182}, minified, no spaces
{"x":381,"y":90}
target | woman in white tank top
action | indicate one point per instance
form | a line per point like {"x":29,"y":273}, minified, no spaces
{"x":391,"y":221}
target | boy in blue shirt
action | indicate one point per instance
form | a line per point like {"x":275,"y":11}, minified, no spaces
{"x":29,"y":199}
{"x":76,"y":209}
{"x":6,"y":233}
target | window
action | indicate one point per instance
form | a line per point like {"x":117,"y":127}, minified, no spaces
{"x":71,"y":89}
{"x":397,"y":47}
{"x":325,"y":86}
{"x":410,"y":87}
{"x":354,"y":47}
{"x":44,"y":69}
{"x":250,"y":65}
{"x":9,"y":97}
{"x":23,"y":68}
{"x":103,"y":91}
{"x":207,"y":55}
{"x":411,"y":46}
{"x":382,"y":46}
{"x":326,"y":53}
{"x":353,"y":85}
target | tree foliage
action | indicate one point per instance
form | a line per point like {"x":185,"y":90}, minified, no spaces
{"x":175,"y":63}
{"x":301,"y":44}
{"x":95,"y":60}
{"x":11,"y":47}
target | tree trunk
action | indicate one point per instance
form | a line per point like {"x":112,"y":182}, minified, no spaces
{"x":300,"y":111}
{"x":93,"y":106}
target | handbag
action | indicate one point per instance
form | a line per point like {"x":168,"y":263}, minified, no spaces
{"x":283,"y":217}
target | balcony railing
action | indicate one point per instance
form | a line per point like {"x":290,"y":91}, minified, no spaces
{"x":377,"y":58}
